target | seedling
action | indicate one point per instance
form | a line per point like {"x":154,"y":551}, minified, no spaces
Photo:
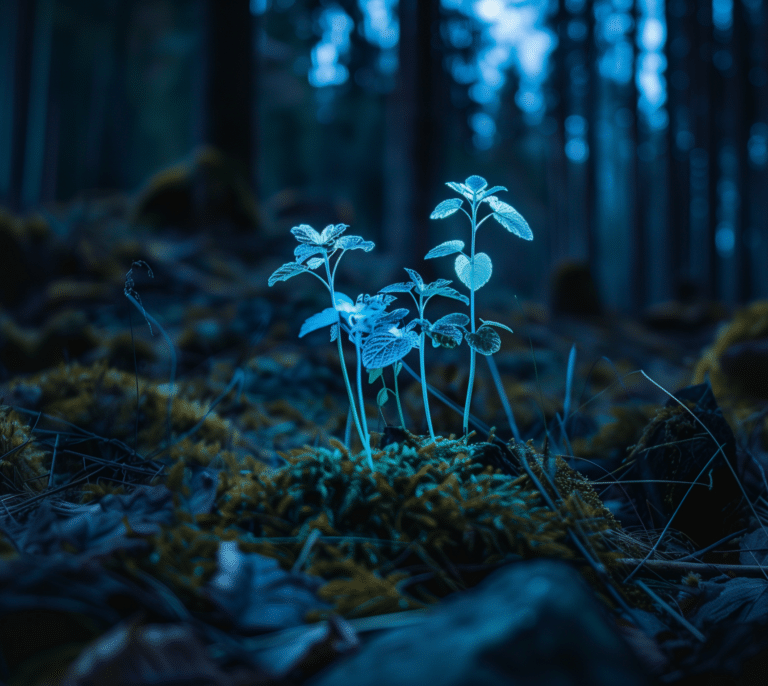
{"x":317,"y":249}
{"x":474,"y":270}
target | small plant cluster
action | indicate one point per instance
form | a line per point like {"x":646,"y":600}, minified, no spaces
{"x":379,"y":336}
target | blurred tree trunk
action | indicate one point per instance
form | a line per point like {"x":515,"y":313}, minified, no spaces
{"x":229,"y":81}
{"x":413,"y":149}
{"x":742,"y":111}
{"x":678,"y":50}
{"x":638,"y":193}
{"x":20,"y":15}
{"x":557,"y":184}
{"x":758,"y":75}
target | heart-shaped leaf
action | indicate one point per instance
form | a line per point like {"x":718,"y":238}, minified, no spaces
{"x":475,"y":183}
{"x":446,"y":208}
{"x":510,"y":218}
{"x":447,"y":248}
{"x":485,"y":341}
{"x":474,"y":275}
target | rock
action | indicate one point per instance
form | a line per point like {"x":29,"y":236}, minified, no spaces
{"x":529,"y":623}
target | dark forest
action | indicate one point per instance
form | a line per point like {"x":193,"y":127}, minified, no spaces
{"x":215,"y":471}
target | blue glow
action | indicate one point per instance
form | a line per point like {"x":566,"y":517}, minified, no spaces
{"x":380,"y":25}
{"x":577,"y":150}
{"x":722,"y":14}
{"x":336,"y":25}
{"x":725,"y":239}
{"x":758,"y":144}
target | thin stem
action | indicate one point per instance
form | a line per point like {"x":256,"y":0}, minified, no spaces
{"x":424,"y":385}
{"x":344,"y":366}
{"x":397,"y":398}
{"x":358,"y":345}
{"x":471,"y":321}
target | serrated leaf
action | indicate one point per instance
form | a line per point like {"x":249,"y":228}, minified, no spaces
{"x":490,"y":191}
{"x":474,"y":275}
{"x":315,"y":262}
{"x":305,"y":250}
{"x":510,"y":218}
{"x":447,"y":248}
{"x":401,"y":287}
{"x":446,"y":208}
{"x":501,"y":326}
{"x":330,"y":232}
{"x":285,"y":272}
{"x":382,"y":349}
{"x":475,"y":183}
{"x":461,"y":188}
{"x":374,"y":374}
{"x":485,"y":341}
{"x":306,"y":234}
{"x":453,"y":319}
{"x":381,"y":397}
{"x":452,"y":293}
{"x":416,"y":278}
{"x":354,"y":243}
{"x":317,"y":321}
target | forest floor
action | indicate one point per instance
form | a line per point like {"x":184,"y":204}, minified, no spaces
{"x":108,"y":531}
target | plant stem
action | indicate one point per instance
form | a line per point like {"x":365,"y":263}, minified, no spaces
{"x":344,"y":366}
{"x":397,"y":398}
{"x":471,"y":321}
{"x":367,"y":443}
{"x":424,"y":385}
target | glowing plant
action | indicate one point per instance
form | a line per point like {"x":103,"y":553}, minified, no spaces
{"x":316,"y":249}
{"x":376,"y":334}
{"x":389,"y":346}
{"x":475,"y":270}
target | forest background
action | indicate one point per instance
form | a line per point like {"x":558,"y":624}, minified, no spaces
{"x":631,"y":134}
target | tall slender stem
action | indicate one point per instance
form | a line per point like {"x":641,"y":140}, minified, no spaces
{"x":471,"y":381}
{"x":397,"y":397}
{"x":422,"y":340}
{"x":358,"y":345}
{"x":352,"y":407}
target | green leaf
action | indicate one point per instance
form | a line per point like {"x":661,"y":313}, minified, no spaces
{"x":398,"y":367}
{"x":501,"y":326}
{"x":510,"y":218}
{"x":447,"y":248}
{"x":446,"y":208}
{"x":474,"y":274}
{"x":374,"y":374}
{"x":486,"y":341}
{"x":285,"y":272}
{"x":315,"y":262}
{"x":381,"y":397}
